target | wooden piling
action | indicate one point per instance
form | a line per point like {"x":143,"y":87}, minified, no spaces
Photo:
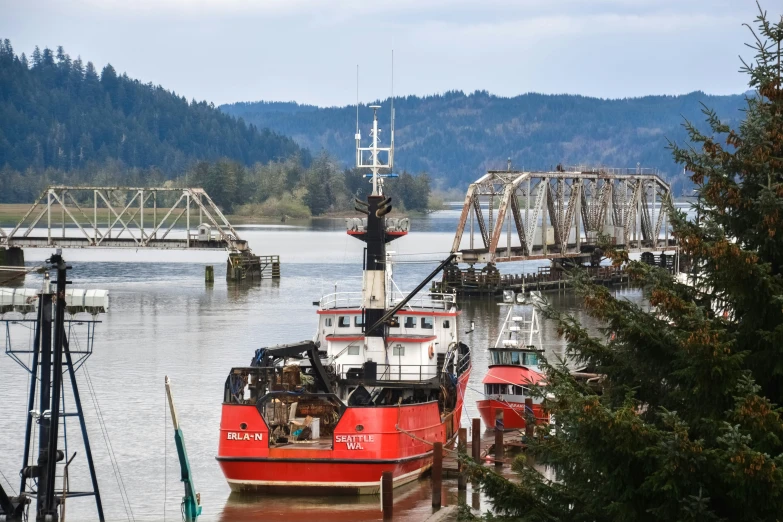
{"x":462,"y":482}
{"x":209,"y":274}
{"x":437,"y":473}
{"x":530,"y":418}
{"x":499,"y":438}
{"x":387,"y":495}
{"x":476,"y":440}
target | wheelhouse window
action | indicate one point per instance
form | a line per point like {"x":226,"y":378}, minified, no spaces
{"x":515,"y":357}
{"x":358,"y":320}
{"x":353,"y":350}
{"x":344,"y":321}
{"x":427,"y":322}
{"x":410,"y":322}
{"x":531,"y":359}
{"x":328,"y":321}
{"x":446,"y":324}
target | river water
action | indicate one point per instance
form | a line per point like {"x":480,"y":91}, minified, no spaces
{"x":163,"y":320}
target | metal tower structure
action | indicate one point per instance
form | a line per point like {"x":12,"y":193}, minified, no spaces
{"x":52,"y":360}
{"x":562,"y":214}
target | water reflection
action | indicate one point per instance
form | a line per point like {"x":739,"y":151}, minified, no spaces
{"x":412,"y":502}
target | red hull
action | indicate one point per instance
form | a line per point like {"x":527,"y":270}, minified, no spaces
{"x":367,"y":441}
{"x":513,"y":413}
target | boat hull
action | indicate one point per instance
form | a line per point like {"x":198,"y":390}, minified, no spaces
{"x":513,"y":413}
{"x":323,"y":477}
{"x":366,"y":442}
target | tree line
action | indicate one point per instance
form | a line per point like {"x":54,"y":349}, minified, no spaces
{"x":457,"y":136}
{"x":61,"y":113}
{"x":63,"y":122}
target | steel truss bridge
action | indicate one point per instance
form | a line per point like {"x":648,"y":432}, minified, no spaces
{"x":124,"y":217}
{"x":561,"y":214}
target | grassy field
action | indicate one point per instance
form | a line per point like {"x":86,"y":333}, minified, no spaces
{"x":11,"y":213}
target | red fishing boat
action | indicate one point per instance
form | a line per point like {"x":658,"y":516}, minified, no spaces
{"x":513,"y":370}
{"x":382,"y":380}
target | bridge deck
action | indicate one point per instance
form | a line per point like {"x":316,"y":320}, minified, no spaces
{"x":122,"y":242}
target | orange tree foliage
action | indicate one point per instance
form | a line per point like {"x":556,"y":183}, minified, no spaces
{"x":686,"y":424}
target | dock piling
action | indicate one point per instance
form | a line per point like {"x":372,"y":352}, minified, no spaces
{"x":387,"y":495}
{"x":462,"y":446}
{"x":499,"y":438}
{"x":209,"y":274}
{"x":437,"y":473}
{"x":476,"y":440}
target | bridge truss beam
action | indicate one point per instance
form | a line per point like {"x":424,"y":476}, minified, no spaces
{"x":549,"y":215}
{"x":124,"y":217}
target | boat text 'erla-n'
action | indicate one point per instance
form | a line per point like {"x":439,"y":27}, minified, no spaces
{"x":382,"y":380}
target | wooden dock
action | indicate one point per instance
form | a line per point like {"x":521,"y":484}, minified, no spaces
{"x":513,"y":444}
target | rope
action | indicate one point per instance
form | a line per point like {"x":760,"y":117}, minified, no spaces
{"x":165,"y":456}
{"x":9,"y":482}
{"x":109,"y":448}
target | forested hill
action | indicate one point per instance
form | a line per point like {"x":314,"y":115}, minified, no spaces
{"x":62,"y":114}
{"x":456,"y":137}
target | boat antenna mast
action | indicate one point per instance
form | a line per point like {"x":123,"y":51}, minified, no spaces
{"x":373,"y":161}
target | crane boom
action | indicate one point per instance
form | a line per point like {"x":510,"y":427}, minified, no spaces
{"x":191,"y":502}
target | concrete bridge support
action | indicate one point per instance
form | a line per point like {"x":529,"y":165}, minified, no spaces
{"x":11,"y":258}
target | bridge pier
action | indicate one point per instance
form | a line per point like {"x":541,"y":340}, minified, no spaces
{"x":11,"y":257}
{"x":246,"y":266}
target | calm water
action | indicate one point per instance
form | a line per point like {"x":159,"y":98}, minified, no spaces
{"x":164,"y":320}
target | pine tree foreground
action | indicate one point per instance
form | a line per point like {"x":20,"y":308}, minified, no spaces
{"x":686,"y":424}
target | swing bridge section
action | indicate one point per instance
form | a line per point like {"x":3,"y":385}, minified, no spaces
{"x":568,"y":213}
{"x":124,"y":217}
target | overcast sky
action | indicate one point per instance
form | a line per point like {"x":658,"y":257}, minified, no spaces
{"x":307,"y":50}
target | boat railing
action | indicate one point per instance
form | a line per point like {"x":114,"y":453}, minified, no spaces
{"x":434,"y":301}
{"x":389,"y":372}
{"x":441,"y":301}
{"x":341,"y":300}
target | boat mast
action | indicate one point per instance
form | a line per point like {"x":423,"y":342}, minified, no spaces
{"x":374,"y":235}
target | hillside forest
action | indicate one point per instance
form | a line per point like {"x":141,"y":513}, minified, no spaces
{"x":456,"y":137}
{"x":64,"y":122}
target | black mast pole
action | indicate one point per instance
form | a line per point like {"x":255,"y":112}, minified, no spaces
{"x":49,"y":511}
{"x":44,"y":402}
{"x":31,"y":396}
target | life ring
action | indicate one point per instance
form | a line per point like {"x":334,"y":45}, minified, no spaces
{"x":432,"y":351}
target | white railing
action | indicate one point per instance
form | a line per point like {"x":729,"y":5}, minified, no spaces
{"x":354,"y":300}
{"x":341,"y":300}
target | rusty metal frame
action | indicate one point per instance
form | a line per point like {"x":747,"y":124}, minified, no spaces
{"x":574,"y":204}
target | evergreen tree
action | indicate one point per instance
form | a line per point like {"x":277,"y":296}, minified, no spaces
{"x":686,"y":422}
{"x":317,"y":183}
{"x":36,"y":57}
{"x":90,"y":74}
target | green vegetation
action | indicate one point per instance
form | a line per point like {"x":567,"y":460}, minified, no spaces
{"x":455,"y":136}
{"x":63,"y":122}
{"x":686,"y":421}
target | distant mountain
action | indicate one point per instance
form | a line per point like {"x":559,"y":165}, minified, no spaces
{"x":60,"y":113}
{"x":457,"y":136}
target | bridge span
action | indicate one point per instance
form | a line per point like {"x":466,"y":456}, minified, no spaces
{"x":131,"y":217}
{"x":562,"y":214}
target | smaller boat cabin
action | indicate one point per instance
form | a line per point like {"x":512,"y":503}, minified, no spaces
{"x":511,"y":357}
